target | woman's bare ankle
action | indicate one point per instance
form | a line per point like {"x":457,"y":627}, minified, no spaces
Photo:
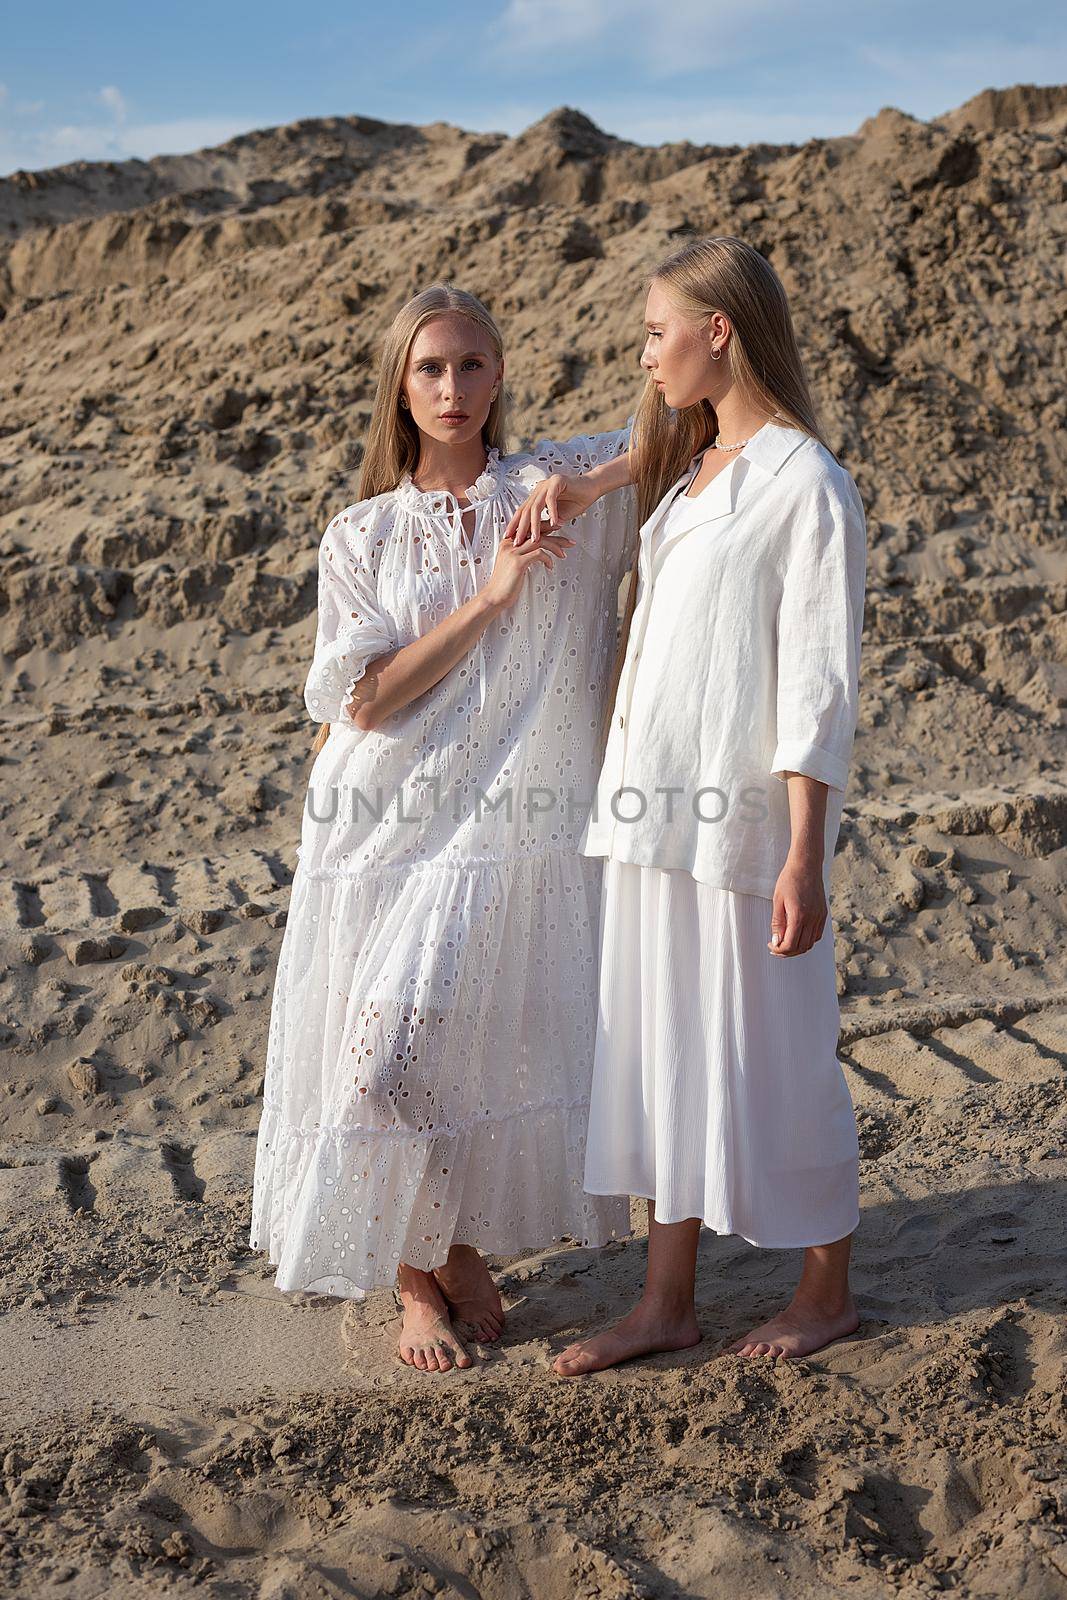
{"x":420,"y":1286}
{"x":824,"y":1301}
{"x":669,"y":1308}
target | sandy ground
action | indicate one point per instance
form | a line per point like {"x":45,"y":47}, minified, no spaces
{"x":185,"y":373}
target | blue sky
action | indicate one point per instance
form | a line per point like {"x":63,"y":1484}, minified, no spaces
{"x":111,"y":80}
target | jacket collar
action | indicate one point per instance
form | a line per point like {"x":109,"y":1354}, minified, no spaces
{"x":769,"y":448}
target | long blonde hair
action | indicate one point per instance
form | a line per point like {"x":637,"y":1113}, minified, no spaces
{"x":392,"y":446}
{"x":727,"y":275}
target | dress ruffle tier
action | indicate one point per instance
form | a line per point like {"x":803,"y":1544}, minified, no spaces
{"x":430,"y":1049}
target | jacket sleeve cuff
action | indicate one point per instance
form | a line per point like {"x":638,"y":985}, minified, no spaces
{"x":811,"y":760}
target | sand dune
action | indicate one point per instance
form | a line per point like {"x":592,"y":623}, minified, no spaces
{"x":186,"y":371}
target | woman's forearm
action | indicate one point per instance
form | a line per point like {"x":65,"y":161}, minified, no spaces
{"x":562,"y":496}
{"x":807,"y":820}
{"x":394,"y":680}
{"x":613,"y":474}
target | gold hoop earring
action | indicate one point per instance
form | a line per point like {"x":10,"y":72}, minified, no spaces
{"x":716,"y":355}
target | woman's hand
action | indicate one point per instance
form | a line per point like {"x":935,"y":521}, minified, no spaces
{"x":560,"y":497}
{"x":512,"y":565}
{"x":392,"y":681}
{"x":800,"y":910}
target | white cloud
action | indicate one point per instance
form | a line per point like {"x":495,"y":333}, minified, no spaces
{"x":53,"y":147}
{"x":668,"y":118}
{"x":957,"y":72}
{"x":21,"y":108}
{"x":663,"y":40}
{"x":552,"y":25}
{"x":822,"y":42}
{"x":112,"y":98}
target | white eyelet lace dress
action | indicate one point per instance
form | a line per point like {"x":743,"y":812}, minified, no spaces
{"x":433,"y":1021}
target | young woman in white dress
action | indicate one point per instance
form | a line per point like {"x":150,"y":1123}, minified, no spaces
{"x":717,"y":1092}
{"x":433,"y":1021}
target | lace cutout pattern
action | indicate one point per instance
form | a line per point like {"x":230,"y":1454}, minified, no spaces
{"x":433,"y":1019}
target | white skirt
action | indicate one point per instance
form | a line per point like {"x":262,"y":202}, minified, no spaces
{"x":716,"y":1090}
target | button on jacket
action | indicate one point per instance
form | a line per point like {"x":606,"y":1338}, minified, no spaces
{"x":742,"y":664}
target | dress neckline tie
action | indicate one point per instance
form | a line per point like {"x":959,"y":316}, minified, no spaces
{"x":458,"y":538}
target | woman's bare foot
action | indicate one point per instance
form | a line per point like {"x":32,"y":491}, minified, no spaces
{"x":470,"y":1293}
{"x":803,"y":1327}
{"x":649,"y":1327}
{"x":427,"y":1338}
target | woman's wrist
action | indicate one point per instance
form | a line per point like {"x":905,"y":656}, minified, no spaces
{"x":608,"y":476}
{"x":484,"y":607}
{"x":805,"y":857}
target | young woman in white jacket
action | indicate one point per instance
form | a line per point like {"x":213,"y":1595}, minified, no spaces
{"x":717,"y":1092}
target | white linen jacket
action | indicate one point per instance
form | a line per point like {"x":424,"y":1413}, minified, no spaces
{"x":742,"y":664}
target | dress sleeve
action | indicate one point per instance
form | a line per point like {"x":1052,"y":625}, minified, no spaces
{"x":615,"y":513}
{"x":819,"y":629}
{"x":351,"y":629}
{"x":583,"y":451}
{"x":621,"y":531}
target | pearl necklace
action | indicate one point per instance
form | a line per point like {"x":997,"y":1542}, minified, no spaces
{"x":741,"y":443}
